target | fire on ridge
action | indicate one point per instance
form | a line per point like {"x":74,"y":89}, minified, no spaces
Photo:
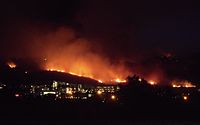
{"x":116,"y":80}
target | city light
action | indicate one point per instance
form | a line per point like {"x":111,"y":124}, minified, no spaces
{"x":45,"y":93}
{"x":16,"y":95}
{"x":185,"y":98}
{"x":99,"y":92}
{"x":69,"y":91}
{"x":113,"y":97}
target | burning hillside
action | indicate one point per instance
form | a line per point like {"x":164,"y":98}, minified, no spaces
{"x":78,"y":56}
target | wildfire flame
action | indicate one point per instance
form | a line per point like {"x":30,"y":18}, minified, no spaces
{"x":117,"y":80}
{"x":63,"y":51}
{"x":151,"y":82}
{"x":185,"y":84}
{"x":11,"y":64}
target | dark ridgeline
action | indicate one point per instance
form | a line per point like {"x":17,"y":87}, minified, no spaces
{"x":138,"y":100}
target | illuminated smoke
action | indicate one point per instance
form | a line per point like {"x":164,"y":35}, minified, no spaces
{"x":62,"y":51}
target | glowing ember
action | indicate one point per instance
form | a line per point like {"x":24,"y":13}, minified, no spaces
{"x":11,"y":64}
{"x":57,"y":70}
{"x":185,"y":84}
{"x":100,"y":81}
{"x":119,"y":80}
{"x":152,"y":82}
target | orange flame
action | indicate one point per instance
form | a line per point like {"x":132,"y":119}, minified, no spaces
{"x":117,"y":80}
{"x":151,"y":82}
{"x":185,"y":84}
{"x":11,"y":64}
{"x":63,"y":51}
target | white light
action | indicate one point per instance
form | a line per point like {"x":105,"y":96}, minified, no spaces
{"x":16,"y":95}
{"x":45,"y":93}
{"x":113,"y":97}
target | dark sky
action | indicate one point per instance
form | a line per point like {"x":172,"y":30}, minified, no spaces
{"x":120,"y":25}
{"x":133,"y":30}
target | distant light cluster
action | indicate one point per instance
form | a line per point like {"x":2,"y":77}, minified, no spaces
{"x":65,"y":90}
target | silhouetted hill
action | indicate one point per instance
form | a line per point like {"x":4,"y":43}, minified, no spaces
{"x":49,"y":76}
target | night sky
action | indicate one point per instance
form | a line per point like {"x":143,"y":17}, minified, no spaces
{"x":117,"y":29}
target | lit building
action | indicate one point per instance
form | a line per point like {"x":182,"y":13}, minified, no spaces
{"x":65,"y":90}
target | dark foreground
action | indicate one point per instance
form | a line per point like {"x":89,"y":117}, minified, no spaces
{"x":17,"y":111}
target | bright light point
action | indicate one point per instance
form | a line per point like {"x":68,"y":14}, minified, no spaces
{"x":11,"y":64}
{"x":185,"y":98}
{"x":99,"y":92}
{"x":45,"y":93}
{"x":16,"y":95}
{"x":140,"y":79}
{"x":113,"y":97}
{"x":69,"y":92}
{"x":100,"y":81}
{"x":152,"y":82}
